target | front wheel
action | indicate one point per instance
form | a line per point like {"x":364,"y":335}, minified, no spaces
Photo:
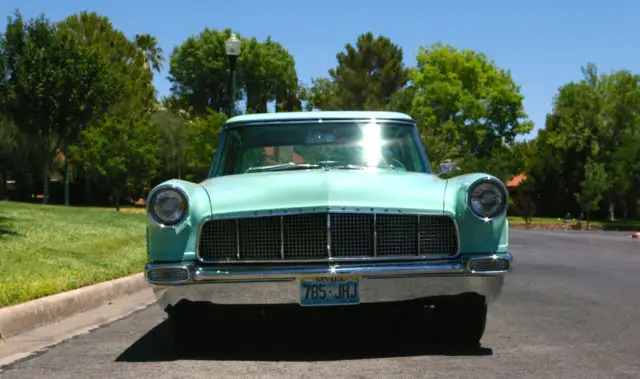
{"x":461,"y":321}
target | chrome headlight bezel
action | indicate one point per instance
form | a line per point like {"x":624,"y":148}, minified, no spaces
{"x":155,"y":218}
{"x":494,"y":184}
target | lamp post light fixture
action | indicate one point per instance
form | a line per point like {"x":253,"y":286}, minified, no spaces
{"x":233,"y":51}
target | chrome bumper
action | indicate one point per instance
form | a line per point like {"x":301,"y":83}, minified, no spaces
{"x":380,"y":282}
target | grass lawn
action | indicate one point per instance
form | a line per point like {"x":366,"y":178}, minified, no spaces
{"x":47,"y":249}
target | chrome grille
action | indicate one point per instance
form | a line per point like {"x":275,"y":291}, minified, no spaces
{"x":259,"y":238}
{"x":305,"y":236}
{"x":397,"y":235}
{"x":320,"y":236}
{"x":351,"y":234}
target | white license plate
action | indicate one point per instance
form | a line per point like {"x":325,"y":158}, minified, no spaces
{"x":329,"y":290}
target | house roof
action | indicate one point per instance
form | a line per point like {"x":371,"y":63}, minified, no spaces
{"x":317,"y":115}
{"x":516,"y":180}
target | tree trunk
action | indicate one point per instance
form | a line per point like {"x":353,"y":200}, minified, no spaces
{"x":45,"y":190}
{"x":117,"y":192}
{"x":117,"y":199}
{"x":611,"y":210}
{"x":3,"y":182}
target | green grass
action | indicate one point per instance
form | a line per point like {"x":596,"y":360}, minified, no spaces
{"x":47,"y":249}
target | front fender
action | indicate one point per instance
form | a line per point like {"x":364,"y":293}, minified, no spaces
{"x":476,"y":235}
{"x":167,"y":244}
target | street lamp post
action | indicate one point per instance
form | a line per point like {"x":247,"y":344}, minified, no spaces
{"x":233,"y":51}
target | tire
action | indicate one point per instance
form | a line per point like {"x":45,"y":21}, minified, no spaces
{"x":461,"y":321}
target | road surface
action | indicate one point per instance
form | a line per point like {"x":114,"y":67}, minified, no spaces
{"x":570,"y":308}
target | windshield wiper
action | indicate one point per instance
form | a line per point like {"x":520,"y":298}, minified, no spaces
{"x":348,"y":167}
{"x":283,"y":167}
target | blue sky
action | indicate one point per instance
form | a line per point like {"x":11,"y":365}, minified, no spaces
{"x":544,"y":43}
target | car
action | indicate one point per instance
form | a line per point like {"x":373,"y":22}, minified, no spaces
{"x":328,"y":209}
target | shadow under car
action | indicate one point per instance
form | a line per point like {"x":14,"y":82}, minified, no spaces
{"x":292,"y":333}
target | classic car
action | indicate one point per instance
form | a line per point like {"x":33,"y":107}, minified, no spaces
{"x":325,"y":209}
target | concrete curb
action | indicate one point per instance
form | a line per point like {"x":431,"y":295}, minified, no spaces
{"x":20,"y":318}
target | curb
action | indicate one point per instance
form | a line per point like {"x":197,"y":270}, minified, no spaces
{"x":20,"y":318}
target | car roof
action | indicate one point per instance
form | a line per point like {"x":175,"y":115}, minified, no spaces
{"x":316,"y":115}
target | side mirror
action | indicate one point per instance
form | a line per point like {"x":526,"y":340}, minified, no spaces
{"x":447,"y":167}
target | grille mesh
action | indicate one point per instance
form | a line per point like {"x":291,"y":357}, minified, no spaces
{"x":318,"y":236}
{"x":351,"y":235}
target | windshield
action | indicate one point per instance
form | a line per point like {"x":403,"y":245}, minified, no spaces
{"x":345,"y":145}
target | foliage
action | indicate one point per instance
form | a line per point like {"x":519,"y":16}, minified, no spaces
{"x":199,"y":73}
{"x":149,"y":55}
{"x":597,"y":120}
{"x":268,"y":74}
{"x":62,"y":77}
{"x":366,"y":77}
{"x":591,"y":188}
{"x":173,"y":134}
{"x":80,"y":85}
{"x":202,"y":144}
{"x":464,"y":97}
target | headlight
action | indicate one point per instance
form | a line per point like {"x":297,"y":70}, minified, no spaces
{"x":168,"y":206}
{"x":487,"y":198}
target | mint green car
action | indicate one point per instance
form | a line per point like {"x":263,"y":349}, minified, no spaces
{"x":326,"y":209}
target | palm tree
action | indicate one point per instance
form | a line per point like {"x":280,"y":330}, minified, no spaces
{"x":149,"y":53}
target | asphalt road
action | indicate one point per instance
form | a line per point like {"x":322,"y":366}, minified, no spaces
{"x":570,"y":309}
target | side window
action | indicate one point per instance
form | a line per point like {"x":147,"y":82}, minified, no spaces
{"x":414,"y":144}
{"x":230,"y":155}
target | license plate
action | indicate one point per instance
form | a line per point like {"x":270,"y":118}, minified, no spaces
{"x":329,"y":290}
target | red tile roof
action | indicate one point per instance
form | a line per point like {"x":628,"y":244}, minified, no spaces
{"x":516,"y":180}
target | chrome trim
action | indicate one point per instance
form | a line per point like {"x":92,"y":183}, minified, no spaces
{"x":298,"y":211}
{"x":329,"y":236}
{"x":281,"y":237}
{"x":275,"y":285}
{"x":329,"y":210}
{"x":459,"y":266}
{"x":502,"y":187}
{"x":495,"y":257}
{"x":237,"y":237}
{"x":320,"y":120}
{"x":375,"y":235}
{"x":420,"y":235}
{"x":159,"y":188}
{"x":180,"y":266}
{"x":390,"y":258}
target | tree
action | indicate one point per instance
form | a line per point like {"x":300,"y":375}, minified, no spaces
{"x":366,"y":77}
{"x":467,"y":99}
{"x":203,"y":133}
{"x":173,"y":134}
{"x":149,"y":56}
{"x":592,"y":187}
{"x":269,"y":74}
{"x":199,"y":73}
{"x":122,"y":149}
{"x":9,"y":150}
{"x":61,"y":77}
{"x":598,"y":119}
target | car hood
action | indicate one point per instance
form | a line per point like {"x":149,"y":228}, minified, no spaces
{"x":348,"y":189}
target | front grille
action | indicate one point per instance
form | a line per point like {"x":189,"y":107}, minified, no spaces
{"x":320,"y":236}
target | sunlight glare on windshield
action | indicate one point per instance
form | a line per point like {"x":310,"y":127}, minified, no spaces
{"x":372,"y":143}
